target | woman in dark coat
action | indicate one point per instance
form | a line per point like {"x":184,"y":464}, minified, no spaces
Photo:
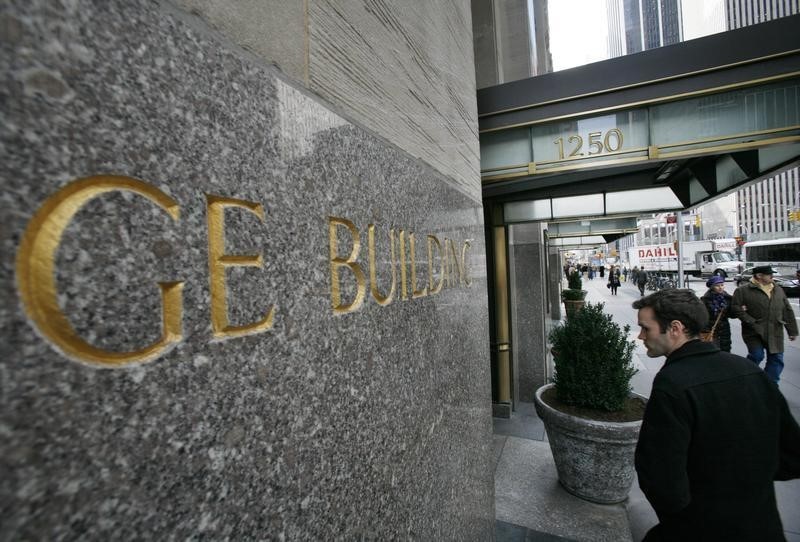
{"x":613,"y":280}
{"x":717,"y":300}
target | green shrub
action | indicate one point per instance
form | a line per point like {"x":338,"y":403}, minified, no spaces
{"x":574,"y":281}
{"x":593,"y":360}
{"x":572,"y":295}
{"x":574,"y":292}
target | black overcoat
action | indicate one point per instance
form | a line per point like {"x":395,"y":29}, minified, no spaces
{"x":716,"y":433}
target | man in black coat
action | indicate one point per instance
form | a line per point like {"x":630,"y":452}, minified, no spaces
{"x":640,"y":278}
{"x":716,"y":432}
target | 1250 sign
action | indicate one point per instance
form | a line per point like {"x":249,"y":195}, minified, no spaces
{"x":598,"y":143}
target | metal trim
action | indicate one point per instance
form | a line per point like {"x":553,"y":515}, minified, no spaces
{"x":664,"y":156}
{"x":660,"y":99}
{"x":641,"y":83}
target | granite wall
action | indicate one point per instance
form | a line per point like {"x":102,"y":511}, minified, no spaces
{"x":200,"y":336}
{"x":404,"y":70}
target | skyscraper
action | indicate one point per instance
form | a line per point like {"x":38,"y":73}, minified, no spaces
{"x":763,"y":209}
{"x":739,"y":13}
{"x":638,"y":25}
{"x":511,"y":40}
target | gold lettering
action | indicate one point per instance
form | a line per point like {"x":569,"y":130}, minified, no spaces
{"x":338,"y":262}
{"x":403,"y":283}
{"x":36,"y":272}
{"x":382,"y":300}
{"x":414,"y":292}
{"x":218,"y":262}
{"x":464,"y":249}
{"x":438,"y":288}
{"x":452,"y":258}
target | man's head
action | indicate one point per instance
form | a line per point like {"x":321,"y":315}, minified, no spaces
{"x":668,"y":319}
{"x":763,"y":274}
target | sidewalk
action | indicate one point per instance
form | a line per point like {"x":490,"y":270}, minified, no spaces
{"x":529,"y":502}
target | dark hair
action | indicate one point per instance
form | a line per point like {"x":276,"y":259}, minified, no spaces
{"x":675,"y":304}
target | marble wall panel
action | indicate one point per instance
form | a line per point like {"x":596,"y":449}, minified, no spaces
{"x":370,"y":424}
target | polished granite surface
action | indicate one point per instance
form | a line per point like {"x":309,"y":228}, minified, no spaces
{"x":365,"y":423}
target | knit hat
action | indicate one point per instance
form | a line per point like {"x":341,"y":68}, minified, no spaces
{"x":715,"y":279}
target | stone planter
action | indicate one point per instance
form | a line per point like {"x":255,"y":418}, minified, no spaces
{"x":594,"y":459}
{"x":573,"y":306}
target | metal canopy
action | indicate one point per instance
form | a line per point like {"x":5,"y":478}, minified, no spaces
{"x":582,"y":228}
{"x":663,"y":91}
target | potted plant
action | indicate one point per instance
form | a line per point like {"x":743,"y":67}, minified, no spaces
{"x":591,"y":417}
{"x":573,"y":296}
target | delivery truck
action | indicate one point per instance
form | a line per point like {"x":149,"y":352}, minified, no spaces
{"x":700,"y":258}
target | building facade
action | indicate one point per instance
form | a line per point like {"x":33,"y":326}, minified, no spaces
{"x":242,"y":272}
{"x":511,"y":40}
{"x":766,"y":210}
{"x":638,"y":25}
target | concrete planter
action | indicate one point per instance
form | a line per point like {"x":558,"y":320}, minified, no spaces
{"x":594,"y":459}
{"x":573,"y":306}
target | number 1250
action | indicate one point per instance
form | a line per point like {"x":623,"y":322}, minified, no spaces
{"x":596,"y":145}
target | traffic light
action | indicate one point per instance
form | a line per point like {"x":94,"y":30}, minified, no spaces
{"x":697,"y":221}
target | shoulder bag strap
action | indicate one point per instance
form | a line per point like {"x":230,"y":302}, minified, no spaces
{"x":717,"y":321}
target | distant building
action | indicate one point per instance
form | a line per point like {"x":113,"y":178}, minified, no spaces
{"x":739,"y":13}
{"x":639,"y":25}
{"x":766,"y":210}
{"x":511,"y":40}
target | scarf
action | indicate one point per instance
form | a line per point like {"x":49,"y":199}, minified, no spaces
{"x":718,"y":303}
{"x":766,"y":288}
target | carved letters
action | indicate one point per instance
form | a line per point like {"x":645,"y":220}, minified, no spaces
{"x":35,"y":270}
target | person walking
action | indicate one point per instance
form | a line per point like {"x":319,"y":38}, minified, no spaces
{"x":718,"y":305}
{"x":764,"y":311}
{"x":613,"y":280}
{"x":641,"y":279}
{"x":716,"y":432}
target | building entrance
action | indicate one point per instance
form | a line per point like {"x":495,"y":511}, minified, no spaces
{"x":573,"y":157}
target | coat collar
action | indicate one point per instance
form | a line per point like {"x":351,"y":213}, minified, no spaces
{"x":692,"y":348}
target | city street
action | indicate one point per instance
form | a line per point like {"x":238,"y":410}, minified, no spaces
{"x":620,"y":307}
{"x":640,"y":514}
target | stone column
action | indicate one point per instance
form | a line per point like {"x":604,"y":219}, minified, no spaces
{"x":529,"y":308}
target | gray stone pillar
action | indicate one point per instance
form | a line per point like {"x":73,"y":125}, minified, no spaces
{"x":529,"y":308}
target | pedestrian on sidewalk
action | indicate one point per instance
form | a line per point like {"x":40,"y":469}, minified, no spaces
{"x":716,"y":432}
{"x":640,"y":278}
{"x":764,"y":311}
{"x":718,"y":305}
{"x":613,"y":280}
